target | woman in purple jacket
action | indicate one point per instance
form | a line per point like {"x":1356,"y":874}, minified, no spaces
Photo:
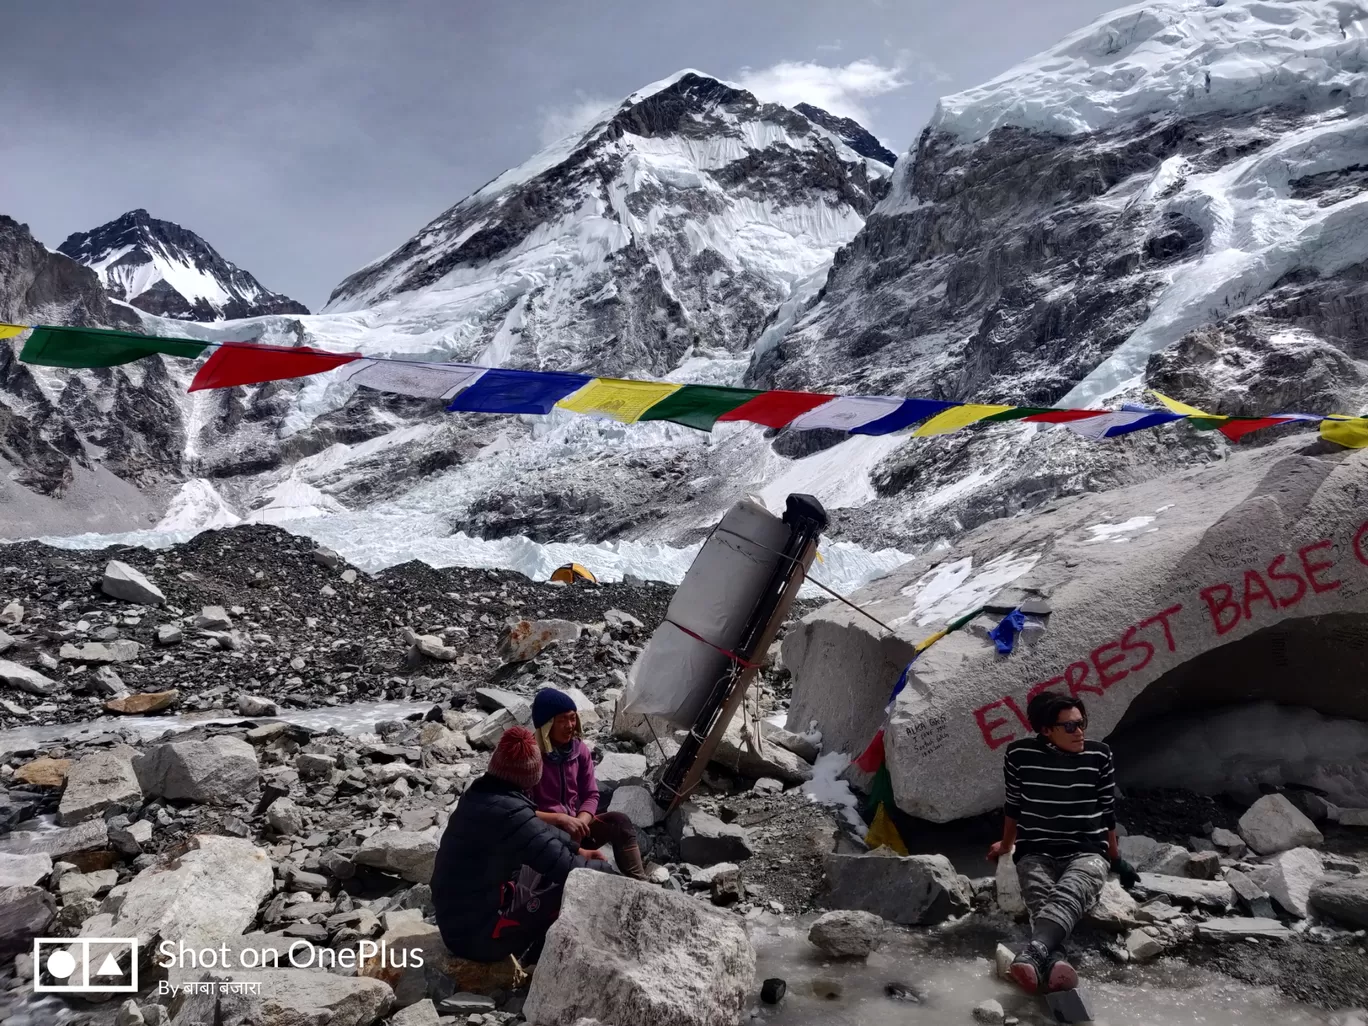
{"x":568,"y":796}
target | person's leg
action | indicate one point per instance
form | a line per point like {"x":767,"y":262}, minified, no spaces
{"x":615,"y":829}
{"x":1038,"y":876}
{"x":1080,"y":883}
{"x":523,"y":922}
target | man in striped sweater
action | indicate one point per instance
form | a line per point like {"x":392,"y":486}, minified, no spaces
{"x":1060,"y":816}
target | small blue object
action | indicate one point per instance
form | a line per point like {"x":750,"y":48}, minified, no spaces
{"x":1004,"y":635}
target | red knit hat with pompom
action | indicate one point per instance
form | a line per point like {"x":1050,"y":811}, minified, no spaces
{"x":518,"y":758}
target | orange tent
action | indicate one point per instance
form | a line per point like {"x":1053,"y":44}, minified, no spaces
{"x":573,"y":573}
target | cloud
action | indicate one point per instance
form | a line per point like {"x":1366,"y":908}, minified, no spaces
{"x":841,"y":90}
{"x":574,"y":118}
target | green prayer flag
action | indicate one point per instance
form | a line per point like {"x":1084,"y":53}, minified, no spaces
{"x":100,"y":347}
{"x":699,"y":406}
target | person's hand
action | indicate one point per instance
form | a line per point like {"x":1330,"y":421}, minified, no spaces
{"x":1113,"y":848}
{"x":576,"y":828}
{"x":593,"y":855}
{"x":997,"y":851}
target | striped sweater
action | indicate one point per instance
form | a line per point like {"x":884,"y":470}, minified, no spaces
{"x":1063,"y":803}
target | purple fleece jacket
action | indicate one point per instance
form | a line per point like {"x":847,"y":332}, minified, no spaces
{"x":568,"y":786}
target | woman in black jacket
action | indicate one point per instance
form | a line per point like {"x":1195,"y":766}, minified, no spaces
{"x":500,"y":870}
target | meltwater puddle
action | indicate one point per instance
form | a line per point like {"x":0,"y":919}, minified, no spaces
{"x":943,"y":988}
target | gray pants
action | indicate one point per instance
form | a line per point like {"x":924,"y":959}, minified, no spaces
{"x":1061,"y":890}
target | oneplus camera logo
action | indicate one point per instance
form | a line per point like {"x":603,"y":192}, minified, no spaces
{"x":85,"y":965}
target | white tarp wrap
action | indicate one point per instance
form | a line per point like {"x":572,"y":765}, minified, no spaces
{"x":673,"y":675}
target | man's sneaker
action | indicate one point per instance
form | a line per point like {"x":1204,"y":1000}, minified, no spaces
{"x":1028,"y":968}
{"x":1059,"y":974}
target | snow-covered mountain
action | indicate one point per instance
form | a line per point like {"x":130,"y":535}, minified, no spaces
{"x":167,"y":270}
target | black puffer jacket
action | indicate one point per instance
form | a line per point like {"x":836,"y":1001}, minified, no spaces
{"x":491,"y":835}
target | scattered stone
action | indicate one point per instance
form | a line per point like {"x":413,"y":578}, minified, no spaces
{"x":169,"y":634}
{"x":129,"y":1015}
{"x":1204,"y":865}
{"x":989,"y":1012}
{"x":637,"y":805}
{"x":440,"y":974}
{"x":1273,"y":824}
{"x":349,"y":576}
{"x":618,"y":618}
{"x":101,"y":780}
{"x":1252,"y":898}
{"x":728,"y":888}
{"x":24,"y":870}
{"x":25,"y":913}
{"x":1008,"y":888}
{"x":213,"y":618}
{"x":432,"y":647}
{"x":526,"y":640}
{"x":1235,"y":927}
{"x":486,"y":734}
{"x":12,"y":614}
{"x":620,"y":769}
{"x":768,"y":786}
{"x":253,"y":707}
{"x":408,"y":855}
{"x":913,"y":890}
{"x":705,"y":840}
{"x":494,"y":699}
{"x":131,"y":839}
{"x":1353,"y":817}
{"x":75,"y":886}
{"x":58,"y":844}
{"x":290,"y":996}
{"x":801,"y":745}
{"x":122,"y":582}
{"x":1116,"y":911}
{"x":93,"y":653}
{"x":465,"y":1004}
{"x":24,"y":679}
{"x":314,"y":766}
{"x":143,"y":704}
{"x":1343,"y":900}
{"x":1143,"y":946}
{"x":219,"y":770}
{"x":772,"y":991}
{"x":1186,"y":891}
{"x":43,"y":772}
{"x":286,"y":818}
{"x":6,"y":642}
{"x":847,"y":933}
{"x":741,"y":757}
{"x":1295,"y":872}
{"x":1229,"y":843}
{"x":108,"y":682}
{"x":591,"y":967}
{"x":1002,"y":961}
{"x":1166,"y":860}
{"x":326,"y":558}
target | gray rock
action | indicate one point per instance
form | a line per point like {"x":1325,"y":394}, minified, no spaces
{"x":405,"y":854}
{"x":1185,"y":891}
{"x":705,"y":840}
{"x":298,"y":996}
{"x":1353,"y":818}
{"x":1167,"y":860}
{"x":1252,"y":897}
{"x":494,"y":699}
{"x":349,"y":576}
{"x":220,"y":769}
{"x":169,"y":634}
{"x":75,"y":886}
{"x":528,"y":639}
{"x":96,"y":652}
{"x":847,"y":933}
{"x":799,"y":744}
{"x":107,"y":682}
{"x":916,"y":890}
{"x":285,"y":817}
{"x":592,"y":968}
{"x":621,"y":769}
{"x":1236,"y":928}
{"x":1343,"y":900}
{"x":768,"y":786}
{"x":1273,"y":824}
{"x":1204,"y":865}
{"x":989,"y":1012}
{"x":618,"y":618}
{"x":24,"y":679}
{"x":25,"y":913}
{"x":252,"y":706}
{"x":1143,"y":946}
{"x":122,"y":582}
{"x":131,"y":839}
{"x":1295,"y":872}
{"x":213,"y":618}
{"x":433,"y":648}
{"x":12,"y":614}
{"x":101,"y":780}
{"x":770,"y":760}
{"x":424,"y":1013}
{"x":315,"y":766}
{"x":91,"y":835}
{"x":1229,"y":843}
{"x":486,"y":733}
{"x":1115,"y":911}
{"x":6,"y":642}
{"x":327,"y":558}
{"x":637,"y":805}
{"x":129,"y":1014}
{"x":24,"y":870}
{"x":1008,"y":887}
{"x":1136,"y":848}
{"x":703,"y":876}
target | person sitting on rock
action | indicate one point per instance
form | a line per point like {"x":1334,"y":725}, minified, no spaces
{"x":500,"y":871}
{"x":1060,"y":814}
{"x":567,"y":796}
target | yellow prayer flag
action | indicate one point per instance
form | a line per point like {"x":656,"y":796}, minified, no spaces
{"x":883,"y":833}
{"x":10,"y":330}
{"x":957,"y":417}
{"x":1352,"y":433}
{"x":1175,"y":406}
{"x":926,"y":643}
{"x":618,"y":398}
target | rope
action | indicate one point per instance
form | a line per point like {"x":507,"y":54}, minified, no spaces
{"x":725,"y":651}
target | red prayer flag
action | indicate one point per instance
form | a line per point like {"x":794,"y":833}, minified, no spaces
{"x":872,"y":757}
{"x":251,"y":363}
{"x":1237,"y":429}
{"x":775,"y":409}
{"x":1062,"y":416}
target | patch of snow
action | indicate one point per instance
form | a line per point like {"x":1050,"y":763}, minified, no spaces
{"x":827,"y":788}
{"x":1116,"y":532}
{"x":950,"y":590}
{"x":197,"y":507}
{"x":839,"y":477}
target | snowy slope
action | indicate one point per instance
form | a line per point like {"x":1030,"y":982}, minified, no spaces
{"x":168,"y":270}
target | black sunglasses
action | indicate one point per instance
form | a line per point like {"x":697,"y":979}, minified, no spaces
{"x":1073,"y":726}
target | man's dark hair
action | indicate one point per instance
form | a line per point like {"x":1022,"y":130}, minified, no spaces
{"x":1043,"y":710}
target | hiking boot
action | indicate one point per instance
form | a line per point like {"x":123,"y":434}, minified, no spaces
{"x":1028,"y":968}
{"x":1059,"y":974}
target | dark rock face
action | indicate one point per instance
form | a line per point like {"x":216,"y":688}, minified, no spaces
{"x":39,"y":286}
{"x":854,"y":134}
{"x":147,"y":240}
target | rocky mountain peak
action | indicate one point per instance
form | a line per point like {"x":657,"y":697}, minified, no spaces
{"x":165,"y":269}
{"x":851,"y":132}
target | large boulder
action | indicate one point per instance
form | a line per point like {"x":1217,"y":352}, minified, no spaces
{"x":1274,"y":824}
{"x":913,"y":890}
{"x":1345,"y":900}
{"x":847,"y":933}
{"x":100,"y":781}
{"x":767,"y":759}
{"x":528,"y":639}
{"x":24,"y":870}
{"x":25,"y":912}
{"x":121,"y":581}
{"x":25,"y":679}
{"x":294,"y":997}
{"x":1294,"y":873}
{"x":626,"y":952}
{"x":704,"y":840}
{"x":60,"y":844}
{"x":405,"y":854}
{"x":430,"y":969}
{"x":218,"y":770}
{"x":207,"y":894}
{"x":1133,"y":587}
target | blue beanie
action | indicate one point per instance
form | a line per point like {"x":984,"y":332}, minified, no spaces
{"x":548,"y":704}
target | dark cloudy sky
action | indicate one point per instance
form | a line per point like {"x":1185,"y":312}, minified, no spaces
{"x":304,"y":138}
